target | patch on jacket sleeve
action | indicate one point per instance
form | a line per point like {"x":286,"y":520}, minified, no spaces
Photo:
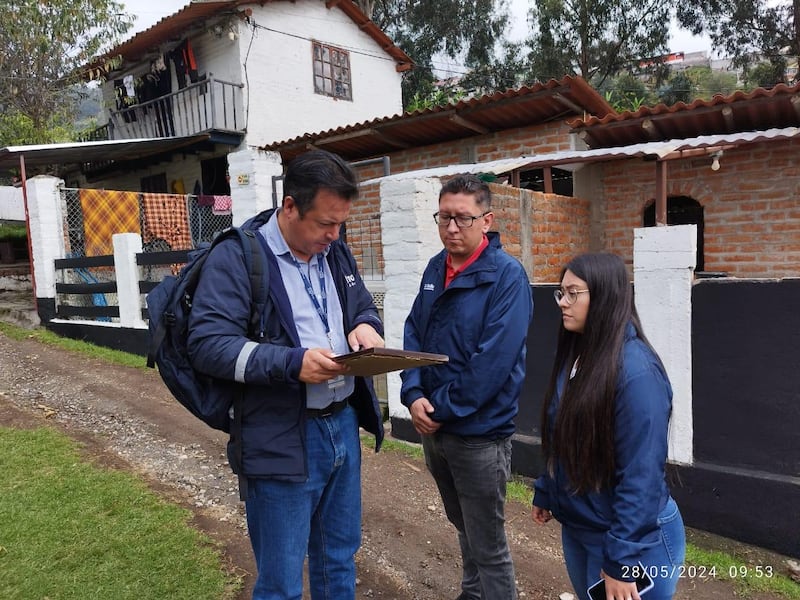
{"x":429,"y":287}
{"x":350,"y":280}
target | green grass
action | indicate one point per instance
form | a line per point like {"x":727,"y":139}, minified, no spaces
{"x":71,"y":530}
{"x":45,"y":336}
{"x":519,"y":490}
{"x":748,"y":578}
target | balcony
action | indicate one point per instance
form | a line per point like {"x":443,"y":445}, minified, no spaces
{"x":210,"y":105}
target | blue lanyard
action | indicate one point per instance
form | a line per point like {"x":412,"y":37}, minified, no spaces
{"x":322,"y":311}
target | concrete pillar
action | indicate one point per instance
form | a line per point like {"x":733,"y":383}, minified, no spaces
{"x":126,"y":247}
{"x":410,"y":239}
{"x":252,"y":173}
{"x":46,"y":232}
{"x":664,"y":259}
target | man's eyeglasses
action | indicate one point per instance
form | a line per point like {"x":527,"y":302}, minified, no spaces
{"x":571,"y":296}
{"x":462,"y":221}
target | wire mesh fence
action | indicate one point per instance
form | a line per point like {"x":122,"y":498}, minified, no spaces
{"x":165,"y":221}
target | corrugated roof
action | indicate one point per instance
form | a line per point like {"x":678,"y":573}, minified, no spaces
{"x":191,"y":18}
{"x":760,"y":109}
{"x":573,"y":160}
{"x":541,"y":103}
{"x":88,"y":152}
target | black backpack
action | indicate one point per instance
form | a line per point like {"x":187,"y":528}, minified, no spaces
{"x":169,"y":304}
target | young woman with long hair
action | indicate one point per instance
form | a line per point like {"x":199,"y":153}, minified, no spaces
{"x":605,"y":423}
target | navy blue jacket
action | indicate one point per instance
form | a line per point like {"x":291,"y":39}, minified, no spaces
{"x":273,"y":418}
{"x":481,"y":322}
{"x":623,"y":518}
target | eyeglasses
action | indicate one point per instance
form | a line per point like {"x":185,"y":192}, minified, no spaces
{"x":462,"y":221}
{"x":570,"y":295}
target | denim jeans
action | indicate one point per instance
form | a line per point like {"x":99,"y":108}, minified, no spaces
{"x":320,"y":517}
{"x":471,"y":474}
{"x":585,"y":559}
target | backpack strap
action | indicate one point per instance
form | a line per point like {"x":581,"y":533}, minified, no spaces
{"x":257,"y":268}
{"x":167,"y":319}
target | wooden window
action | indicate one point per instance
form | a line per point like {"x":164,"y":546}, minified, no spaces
{"x":332,"y":72}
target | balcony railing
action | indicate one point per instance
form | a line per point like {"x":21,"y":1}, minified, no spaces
{"x":207,"y":105}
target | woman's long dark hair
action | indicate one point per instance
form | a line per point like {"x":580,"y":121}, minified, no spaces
{"x":582,"y":437}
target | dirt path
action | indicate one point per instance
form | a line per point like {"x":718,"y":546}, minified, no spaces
{"x":126,"y":418}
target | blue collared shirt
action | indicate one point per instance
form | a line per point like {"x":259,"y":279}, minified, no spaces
{"x":307,"y":321}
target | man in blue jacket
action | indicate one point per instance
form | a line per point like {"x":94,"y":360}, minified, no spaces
{"x":474,"y":304}
{"x":300,"y":453}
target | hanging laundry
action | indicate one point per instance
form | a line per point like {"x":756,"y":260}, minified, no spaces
{"x":222,"y":205}
{"x":166,"y":218}
{"x":155,"y":85}
{"x":185,"y":64}
{"x":125,"y":95}
{"x":106,"y":212}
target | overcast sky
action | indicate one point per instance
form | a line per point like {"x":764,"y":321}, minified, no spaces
{"x":149,"y":12}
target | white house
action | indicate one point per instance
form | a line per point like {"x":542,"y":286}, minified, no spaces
{"x":221,"y":77}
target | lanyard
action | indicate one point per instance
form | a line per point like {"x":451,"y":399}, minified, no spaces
{"x":322,"y":311}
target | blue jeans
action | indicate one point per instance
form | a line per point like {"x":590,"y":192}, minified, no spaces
{"x":585,"y":559}
{"x":471,"y":474}
{"x":320,"y":517}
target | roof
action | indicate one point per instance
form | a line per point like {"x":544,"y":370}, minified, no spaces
{"x":88,"y":152}
{"x":573,"y":160}
{"x":760,"y":109}
{"x":554,"y":100}
{"x":179,"y":24}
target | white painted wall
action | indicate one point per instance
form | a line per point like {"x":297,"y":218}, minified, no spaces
{"x":282,"y":102}
{"x":46,"y":231}
{"x":274,"y":59}
{"x":180,"y":168}
{"x":12,"y":205}
{"x":410,"y":239}
{"x":664,"y":259}
{"x":251,"y":182}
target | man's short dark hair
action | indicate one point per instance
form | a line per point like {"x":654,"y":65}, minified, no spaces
{"x":467,"y":183}
{"x":315,"y":170}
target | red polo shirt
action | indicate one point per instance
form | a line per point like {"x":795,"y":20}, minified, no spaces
{"x":451,"y":273}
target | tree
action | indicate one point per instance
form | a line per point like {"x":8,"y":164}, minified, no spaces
{"x":467,"y":30}
{"x":626,"y":92}
{"x":710,"y":82}
{"x":764,"y":74}
{"x":40,"y":60}
{"x":680,"y":88}
{"x":749,"y":31}
{"x":597,"y":39}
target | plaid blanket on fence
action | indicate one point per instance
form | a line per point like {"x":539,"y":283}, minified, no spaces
{"x":106,"y":212}
{"x":166,"y":218}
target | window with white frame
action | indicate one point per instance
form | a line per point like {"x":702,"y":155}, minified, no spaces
{"x":332,"y":71}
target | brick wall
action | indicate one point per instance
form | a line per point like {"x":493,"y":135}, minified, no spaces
{"x":751,"y":206}
{"x":548,"y":137}
{"x":364,"y":232}
{"x":544,"y":231}
{"x":751,"y":210}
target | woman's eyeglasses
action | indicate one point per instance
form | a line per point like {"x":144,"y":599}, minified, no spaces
{"x":571,"y":296}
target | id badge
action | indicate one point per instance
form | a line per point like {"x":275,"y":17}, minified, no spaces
{"x":336,"y":382}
